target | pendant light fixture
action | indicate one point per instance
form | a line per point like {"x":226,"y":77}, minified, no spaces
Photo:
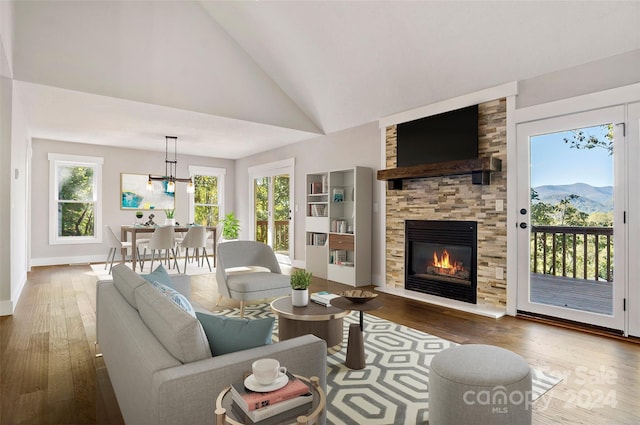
{"x":170,"y":165}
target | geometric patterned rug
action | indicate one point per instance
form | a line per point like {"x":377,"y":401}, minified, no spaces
{"x":393,"y":388}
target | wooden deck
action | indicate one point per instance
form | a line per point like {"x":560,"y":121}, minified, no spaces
{"x":577,"y":294}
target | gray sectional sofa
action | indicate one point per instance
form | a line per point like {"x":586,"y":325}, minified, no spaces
{"x":161,"y":370}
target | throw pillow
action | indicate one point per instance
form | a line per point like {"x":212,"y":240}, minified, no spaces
{"x":230,"y":334}
{"x":159,"y":275}
{"x":175,"y":296}
{"x":180,"y":333}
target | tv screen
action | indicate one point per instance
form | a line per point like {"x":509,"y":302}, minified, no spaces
{"x":444,"y":137}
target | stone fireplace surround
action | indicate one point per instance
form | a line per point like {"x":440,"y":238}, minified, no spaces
{"x":456,"y":198}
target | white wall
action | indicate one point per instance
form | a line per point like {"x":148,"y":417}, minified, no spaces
{"x":116,"y":161}
{"x":18,"y":177}
{"x":6,"y":94}
{"x":345,"y":149}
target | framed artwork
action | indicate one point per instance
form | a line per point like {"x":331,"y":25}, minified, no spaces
{"x":135,"y":196}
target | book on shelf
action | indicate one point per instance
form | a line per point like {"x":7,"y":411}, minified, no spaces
{"x":338,"y":195}
{"x":316,"y":188}
{"x":338,"y":256}
{"x":252,"y":400}
{"x":283,"y":412}
{"x":323,"y":298}
{"x":316,"y":239}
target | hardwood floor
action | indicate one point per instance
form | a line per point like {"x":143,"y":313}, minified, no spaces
{"x":49,"y":373}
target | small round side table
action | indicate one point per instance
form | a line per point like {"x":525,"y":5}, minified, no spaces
{"x":355,"y":345}
{"x":223,"y":405}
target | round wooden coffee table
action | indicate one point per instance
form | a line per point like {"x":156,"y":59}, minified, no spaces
{"x":323,"y":322}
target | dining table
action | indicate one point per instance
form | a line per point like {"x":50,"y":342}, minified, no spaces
{"x":135,"y":229}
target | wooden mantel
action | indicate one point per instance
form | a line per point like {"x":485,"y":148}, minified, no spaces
{"x":479,"y":168}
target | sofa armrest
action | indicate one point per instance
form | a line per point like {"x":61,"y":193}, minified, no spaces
{"x":186,"y":394}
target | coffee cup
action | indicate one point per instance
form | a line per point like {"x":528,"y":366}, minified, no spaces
{"x":266,"y":371}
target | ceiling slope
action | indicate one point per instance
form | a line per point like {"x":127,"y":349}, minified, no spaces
{"x":347,"y":63}
{"x":234,"y":78}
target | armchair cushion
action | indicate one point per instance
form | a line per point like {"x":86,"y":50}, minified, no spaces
{"x":179,"y":332}
{"x":228,"y":334}
{"x":264,"y":284}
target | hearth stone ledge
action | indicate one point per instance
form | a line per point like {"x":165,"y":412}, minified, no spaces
{"x":482,"y":310}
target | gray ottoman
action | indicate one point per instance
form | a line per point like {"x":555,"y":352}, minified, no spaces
{"x":479,"y":384}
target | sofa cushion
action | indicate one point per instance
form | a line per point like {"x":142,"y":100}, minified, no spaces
{"x":179,"y":332}
{"x":230,"y":334}
{"x":175,"y":296}
{"x":126,"y":281}
{"x":159,"y":275}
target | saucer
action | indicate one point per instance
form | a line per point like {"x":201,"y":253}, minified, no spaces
{"x":253,"y":385}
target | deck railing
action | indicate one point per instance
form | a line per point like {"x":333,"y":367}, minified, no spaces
{"x":281,"y":237}
{"x":568,"y":251}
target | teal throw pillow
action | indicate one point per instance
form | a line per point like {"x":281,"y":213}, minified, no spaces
{"x":175,"y":296}
{"x":159,"y":275}
{"x":230,"y":334}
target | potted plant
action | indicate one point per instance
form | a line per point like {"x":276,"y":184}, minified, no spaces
{"x":170,"y":221}
{"x":300,"y":281}
{"x":139,"y":215}
{"x":230,"y":227}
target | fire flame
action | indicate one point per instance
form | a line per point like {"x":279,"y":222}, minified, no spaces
{"x":444,"y":263}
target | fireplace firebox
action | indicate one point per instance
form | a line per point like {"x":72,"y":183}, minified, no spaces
{"x":441,"y":258}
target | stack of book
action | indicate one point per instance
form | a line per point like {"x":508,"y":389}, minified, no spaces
{"x":323,"y":298}
{"x":273,"y":407}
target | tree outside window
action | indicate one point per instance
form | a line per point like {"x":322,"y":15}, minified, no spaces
{"x":206,"y":200}
{"x":75,"y":199}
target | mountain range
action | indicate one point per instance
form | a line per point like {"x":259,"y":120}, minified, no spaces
{"x":591,"y":198}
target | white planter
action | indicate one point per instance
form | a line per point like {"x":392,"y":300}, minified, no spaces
{"x":170,"y":222}
{"x":299,"y":297}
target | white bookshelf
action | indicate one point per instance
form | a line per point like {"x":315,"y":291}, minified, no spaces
{"x":344,"y":254}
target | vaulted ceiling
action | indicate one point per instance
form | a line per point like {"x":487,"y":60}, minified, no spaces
{"x":234,"y":78}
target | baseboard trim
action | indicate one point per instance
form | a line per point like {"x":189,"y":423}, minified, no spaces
{"x":6,"y":308}
{"x":578,"y":326}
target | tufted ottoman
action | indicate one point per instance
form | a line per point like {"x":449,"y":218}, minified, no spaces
{"x":479,"y":384}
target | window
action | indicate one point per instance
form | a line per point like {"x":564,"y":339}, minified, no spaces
{"x":75,"y":199}
{"x":207,"y":199}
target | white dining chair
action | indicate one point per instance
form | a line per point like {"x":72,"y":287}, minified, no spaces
{"x":114,"y":245}
{"x":196,"y":239}
{"x":162,"y":239}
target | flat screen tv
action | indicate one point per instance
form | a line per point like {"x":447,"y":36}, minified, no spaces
{"x":448,"y":136}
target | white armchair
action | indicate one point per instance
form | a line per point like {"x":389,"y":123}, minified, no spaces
{"x":252,"y":285}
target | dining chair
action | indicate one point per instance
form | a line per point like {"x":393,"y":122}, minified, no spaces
{"x":114,"y":245}
{"x":162,"y":239}
{"x":196,"y":238}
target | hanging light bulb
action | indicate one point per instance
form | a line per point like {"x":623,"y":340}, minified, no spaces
{"x":170,"y":166}
{"x":190,"y":188}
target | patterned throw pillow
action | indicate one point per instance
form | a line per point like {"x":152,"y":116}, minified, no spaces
{"x":175,"y":296}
